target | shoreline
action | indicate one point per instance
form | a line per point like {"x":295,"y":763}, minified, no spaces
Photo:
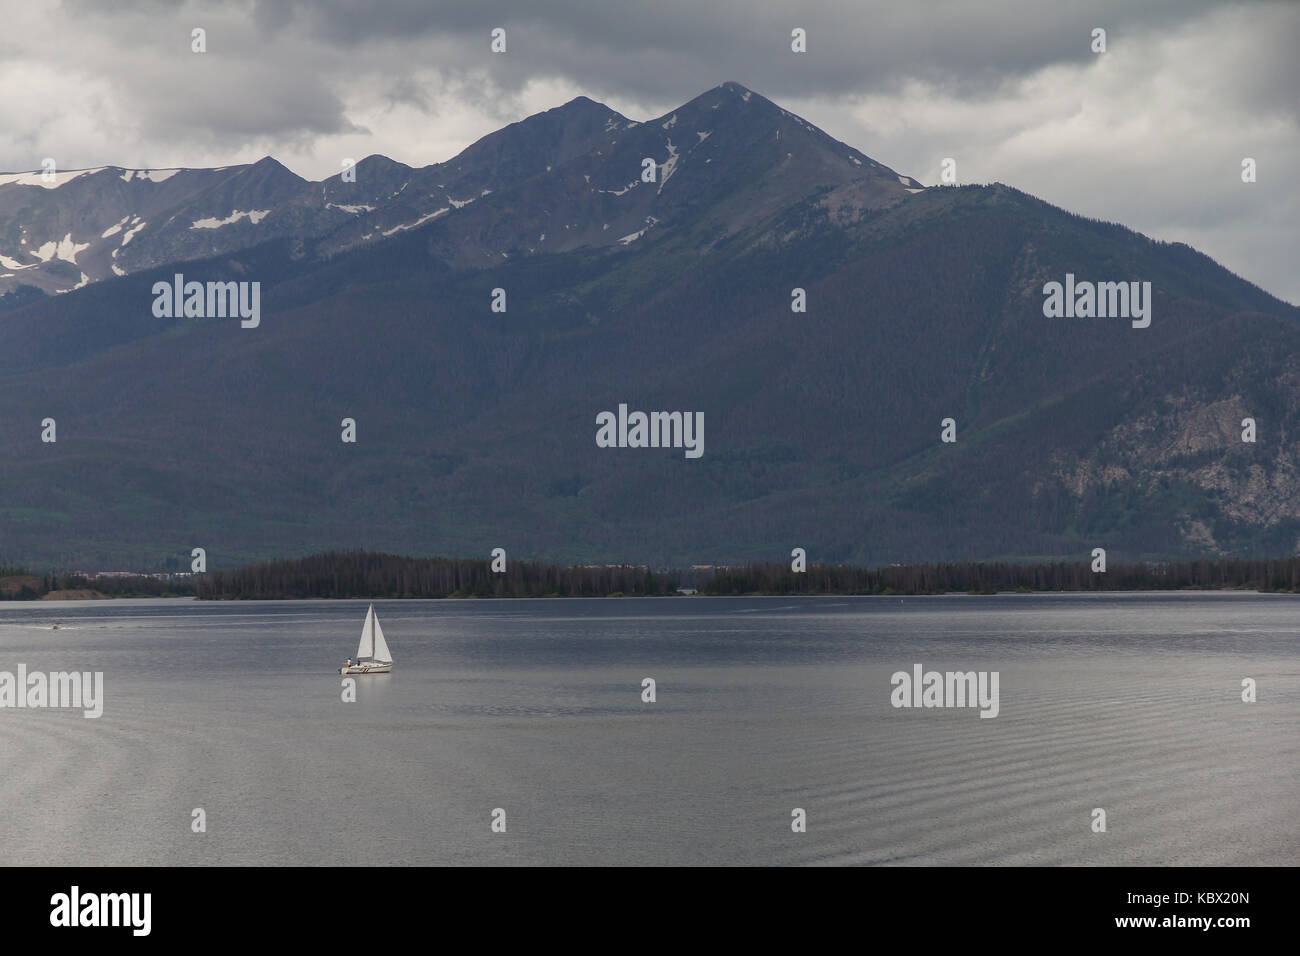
{"x":1139,"y":592}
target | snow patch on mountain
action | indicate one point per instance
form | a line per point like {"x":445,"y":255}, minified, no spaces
{"x":37,"y":177}
{"x":631,"y":237}
{"x":423,"y":219}
{"x":64,"y":249}
{"x":703,"y":136}
{"x":130,"y":233}
{"x":68,"y":250}
{"x":85,"y":280}
{"x":254,"y":216}
{"x":114,"y":230}
{"x":150,"y":175}
{"x":671,"y":123}
{"x":669,"y":167}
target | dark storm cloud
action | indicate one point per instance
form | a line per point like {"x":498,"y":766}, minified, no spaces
{"x":671,"y":48}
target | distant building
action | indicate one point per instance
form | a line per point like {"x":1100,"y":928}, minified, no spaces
{"x":161,"y":575}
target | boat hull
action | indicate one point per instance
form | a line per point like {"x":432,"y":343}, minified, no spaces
{"x":367,"y":668}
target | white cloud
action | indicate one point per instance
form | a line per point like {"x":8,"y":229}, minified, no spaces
{"x":1147,"y":135}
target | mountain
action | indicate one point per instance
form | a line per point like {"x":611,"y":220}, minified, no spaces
{"x":571,"y":175}
{"x":477,"y":429}
{"x":87,"y":225}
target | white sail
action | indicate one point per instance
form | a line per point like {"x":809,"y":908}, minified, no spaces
{"x":366,"y":648}
{"x":380,"y":646}
{"x":373,"y":655}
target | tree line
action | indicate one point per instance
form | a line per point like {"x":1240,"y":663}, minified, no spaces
{"x":20,"y":584}
{"x":1264,"y":574}
{"x":361,"y":574}
{"x":366,"y":574}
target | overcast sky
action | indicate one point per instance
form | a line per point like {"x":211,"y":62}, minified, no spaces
{"x":1150,"y":134}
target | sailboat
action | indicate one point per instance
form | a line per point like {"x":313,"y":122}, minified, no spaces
{"x":373,"y":656}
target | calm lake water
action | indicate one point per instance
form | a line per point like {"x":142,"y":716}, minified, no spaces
{"x":1131,"y":703}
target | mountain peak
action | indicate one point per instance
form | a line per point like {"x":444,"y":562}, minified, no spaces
{"x":729,"y":93}
{"x":269,"y":164}
{"x":729,"y":102}
{"x":581,"y":103}
{"x":735,"y":89}
{"x":580,"y":109}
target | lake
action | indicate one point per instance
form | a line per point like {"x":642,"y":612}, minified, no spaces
{"x":1131,"y":703}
